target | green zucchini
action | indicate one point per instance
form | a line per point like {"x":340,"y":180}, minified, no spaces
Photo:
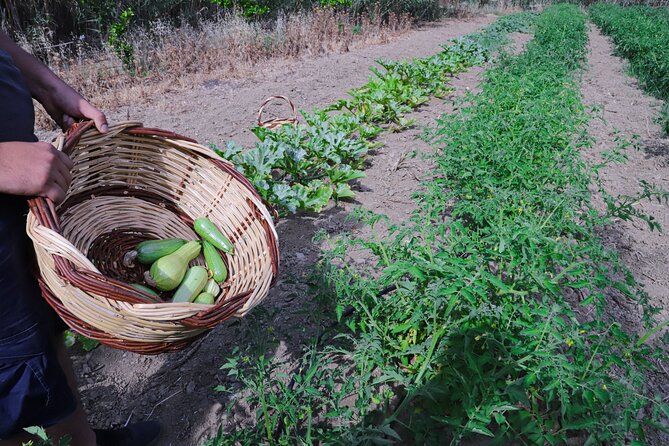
{"x":212,"y":288}
{"x":192,"y":285}
{"x":168,"y":272}
{"x":149,"y":251}
{"x":214,"y":262}
{"x":146,"y":290}
{"x":209,"y":232}
{"x":204,"y":298}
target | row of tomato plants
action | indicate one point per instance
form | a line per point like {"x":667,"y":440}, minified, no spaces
{"x":641,"y":35}
{"x":500,"y":322}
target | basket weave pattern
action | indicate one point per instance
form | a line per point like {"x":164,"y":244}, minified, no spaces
{"x":133,"y":184}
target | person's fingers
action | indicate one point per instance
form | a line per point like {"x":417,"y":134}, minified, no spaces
{"x":68,"y":121}
{"x":60,"y":178}
{"x":64,"y":172}
{"x":90,"y":112}
{"x":55,"y":193}
{"x":65,"y":160}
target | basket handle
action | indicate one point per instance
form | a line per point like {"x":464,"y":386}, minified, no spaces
{"x":276,"y":122}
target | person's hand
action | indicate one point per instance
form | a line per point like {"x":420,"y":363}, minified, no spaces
{"x":62,"y":103}
{"x":65,"y":106}
{"x":34,"y":169}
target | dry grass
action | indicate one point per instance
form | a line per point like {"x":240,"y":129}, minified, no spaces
{"x":168,"y":58}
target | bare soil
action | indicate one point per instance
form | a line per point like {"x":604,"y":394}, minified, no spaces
{"x":119,"y":387}
{"x":625,"y":110}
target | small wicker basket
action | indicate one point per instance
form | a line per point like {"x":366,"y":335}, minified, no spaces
{"x":274,"y":123}
{"x":133,"y":184}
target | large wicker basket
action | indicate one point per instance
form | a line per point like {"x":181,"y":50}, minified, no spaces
{"x":129,"y":185}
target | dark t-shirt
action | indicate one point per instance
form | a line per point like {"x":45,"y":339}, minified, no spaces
{"x":17,"y":122}
{"x":33,"y":388}
{"x":21,"y":306}
{"x":17,"y":116}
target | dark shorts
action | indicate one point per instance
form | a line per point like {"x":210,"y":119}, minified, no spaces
{"x":33,"y":387}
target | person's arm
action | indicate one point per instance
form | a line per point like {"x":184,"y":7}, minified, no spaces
{"x":62,"y":103}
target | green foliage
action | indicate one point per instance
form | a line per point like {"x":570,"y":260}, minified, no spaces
{"x":664,"y":117}
{"x":70,"y":338}
{"x":403,"y":86}
{"x":248,"y":8}
{"x":295,"y":406}
{"x":302,"y":168}
{"x":94,"y":18}
{"x":118,"y":41}
{"x":623,"y":206}
{"x":499,"y":324}
{"x":487,"y":312}
{"x":421,"y":9}
{"x":641,"y":35}
{"x":335,"y":3}
{"x":43,"y":439}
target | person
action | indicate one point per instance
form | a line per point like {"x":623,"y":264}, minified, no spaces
{"x":37,"y":382}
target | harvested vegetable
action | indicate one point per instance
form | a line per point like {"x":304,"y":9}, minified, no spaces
{"x":147,"y":290}
{"x":168,"y":272}
{"x":204,"y":298}
{"x":192,"y":285}
{"x":144,"y":289}
{"x":209,"y":232}
{"x":214,"y":262}
{"x":149,"y":251}
{"x":212,"y":288}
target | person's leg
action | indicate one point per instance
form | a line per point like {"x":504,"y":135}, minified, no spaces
{"x":76,"y":425}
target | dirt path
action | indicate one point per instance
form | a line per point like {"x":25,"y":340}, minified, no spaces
{"x":396,"y":171}
{"x":218,"y":110}
{"x":176,"y":388}
{"x":626,"y":109}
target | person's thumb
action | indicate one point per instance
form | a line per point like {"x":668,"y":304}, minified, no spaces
{"x":90,"y":112}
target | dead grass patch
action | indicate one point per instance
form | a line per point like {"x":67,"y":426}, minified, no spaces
{"x":166,"y":57}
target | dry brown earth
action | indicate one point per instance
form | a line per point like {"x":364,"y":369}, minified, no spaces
{"x":624,"y":110}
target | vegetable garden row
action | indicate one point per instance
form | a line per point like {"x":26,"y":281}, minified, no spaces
{"x":494,"y":317}
{"x":641,"y":35}
{"x":303,"y":167}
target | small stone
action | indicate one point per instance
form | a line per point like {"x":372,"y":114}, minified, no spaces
{"x":190,"y":388}
{"x":300,"y":256}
